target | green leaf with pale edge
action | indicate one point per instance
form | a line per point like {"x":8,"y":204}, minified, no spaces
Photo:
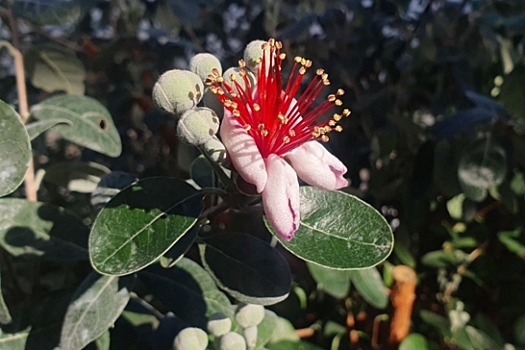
{"x":265,"y":329}
{"x":92,"y":124}
{"x":370,"y":286}
{"x":334,"y":282}
{"x":5,"y":316}
{"x":104,"y":341}
{"x":14,"y":341}
{"x":96,"y":305}
{"x":37,"y":128}
{"x":339,"y":231}
{"x":414,"y":341}
{"x":293,"y":345}
{"x":248,"y":268}
{"x":50,"y":12}
{"x":197,"y":296}
{"x":41,"y":231}
{"x":15,"y":150}
{"x":470,"y":338}
{"x":54,"y":68}
{"x":141,"y":223}
{"x":76,"y":176}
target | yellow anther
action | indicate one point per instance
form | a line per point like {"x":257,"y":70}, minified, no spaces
{"x":260,"y":126}
{"x":325,"y":138}
{"x":282,"y":56}
{"x":271,"y":41}
{"x":286,"y":139}
{"x":338,"y":128}
{"x":324,"y":76}
{"x":256,"y":107}
{"x":242,"y":64}
{"x":340,"y":92}
{"x":303,"y":62}
{"x":332,"y":122}
{"x":236,"y":113}
{"x":215,"y":72}
{"x":308,"y":63}
{"x":279,"y":45}
{"x":247,"y":127}
{"x":233,"y":94}
{"x":302,"y":71}
{"x":337,"y":117}
{"x":235,"y":105}
{"x":232,"y":77}
{"x":326,"y":82}
{"x":338,"y":103}
{"x":220,"y":91}
{"x":331,"y":97}
{"x":291,"y":132}
{"x":264,"y":133}
{"x":346,"y":112}
{"x":227,"y":103}
{"x":220,"y":79}
{"x":297,"y":59}
{"x":319,"y":71}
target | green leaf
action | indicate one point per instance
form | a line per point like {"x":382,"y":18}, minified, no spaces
{"x":518,"y":184}
{"x":512,"y":92}
{"x":41,"y":231}
{"x":92,"y":124}
{"x":172,"y":256}
{"x":485,"y":324}
{"x":440,"y":323}
{"x":141,"y":223}
{"x":95,"y":307}
{"x":202,"y":172}
{"x":14,"y":341}
{"x":470,"y":338}
{"x":36,"y":128}
{"x":15,"y":150}
{"x":5,"y":316}
{"x":104,"y":341}
{"x":370,"y":286}
{"x":334,"y":282}
{"x":414,"y":341}
{"x":248,"y":268}
{"x":55,"y":68}
{"x":510,"y":240}
{"x":50,"y":12}
{"x":444,"y":259}
{"x":197,"y":295}
{"x":455,"y":206}
{"x":109,"y":186}
{"x":265,"y":329}
{"x":284,"y":331}
{"x":76,"y":176}
{"x":339,"y":231}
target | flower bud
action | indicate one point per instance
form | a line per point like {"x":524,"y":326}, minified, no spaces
{"x":191,"y":339}
{"x":197,"y":126}
{"x":218,"y":324}
{"x":253,"y":54}
{"x":177,"y":90}
{"x":202,"y":64}
{"x":215,"y":149}
{"x":248,"y":315}
{"x":232,"y":341}
{"x":212,"y":101}
{"x":250,"y":336}
{"x":235,"y":73}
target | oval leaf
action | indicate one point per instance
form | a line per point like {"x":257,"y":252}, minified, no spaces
{"x":265,"y":329}
{"x":109,"y":186}
{"x":246,"y":267}
{"x":141,"y":223}
{"x":334,"y":282}
{"x":37,"y":128}
{"x":414,"y":341}
{"x":96,"y":305}
{"x":41,"y":230}
{"x":92,"y":124}
{"x":339,"y":231}
{"x":15,"y":150}
{"x":370,"y":286}
{"x":54,"y":68}
{"x":14,"y":341}
{"x":197,"y":296}
{"x":5,"y":316}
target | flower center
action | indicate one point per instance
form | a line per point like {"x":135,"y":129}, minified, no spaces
{"x":272,"y":116}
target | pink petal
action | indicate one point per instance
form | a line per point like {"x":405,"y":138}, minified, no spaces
{"x":243,"y":151}
{"x":281,"y":197}
{"x":318,"y":167}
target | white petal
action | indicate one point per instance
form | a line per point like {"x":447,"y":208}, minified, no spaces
{"x":243,"y":152}
{"x":281,"y":197}
{"x":318,"y":167}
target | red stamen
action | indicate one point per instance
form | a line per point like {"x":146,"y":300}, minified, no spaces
{"x":268,"y":113}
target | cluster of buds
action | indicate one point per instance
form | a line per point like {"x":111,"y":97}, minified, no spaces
{"x":247,"y":317}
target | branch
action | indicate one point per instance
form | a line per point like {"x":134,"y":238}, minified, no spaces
{"x":402,"y":298}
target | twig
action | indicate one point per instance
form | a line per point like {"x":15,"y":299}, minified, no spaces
{"x":402,"y":298}
{"x":23,"y":107}
{"x":305,"y":332}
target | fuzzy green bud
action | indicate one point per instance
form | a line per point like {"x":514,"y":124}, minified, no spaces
{"x":253,"y":54}
{"x":202,"y":64}
{"x":232,"y":341}
{"x":212,"y":101}
{"x":191,"y":339}
{"x":235,"y":73}
{"x":248,"y":315}
{"x":197,"y":126}
{"x":250,"y":336}
{"x":218,"y":324}
{"x":177,"y":90}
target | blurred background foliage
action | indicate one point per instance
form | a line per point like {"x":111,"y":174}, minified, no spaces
{"x":436,"y":142}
